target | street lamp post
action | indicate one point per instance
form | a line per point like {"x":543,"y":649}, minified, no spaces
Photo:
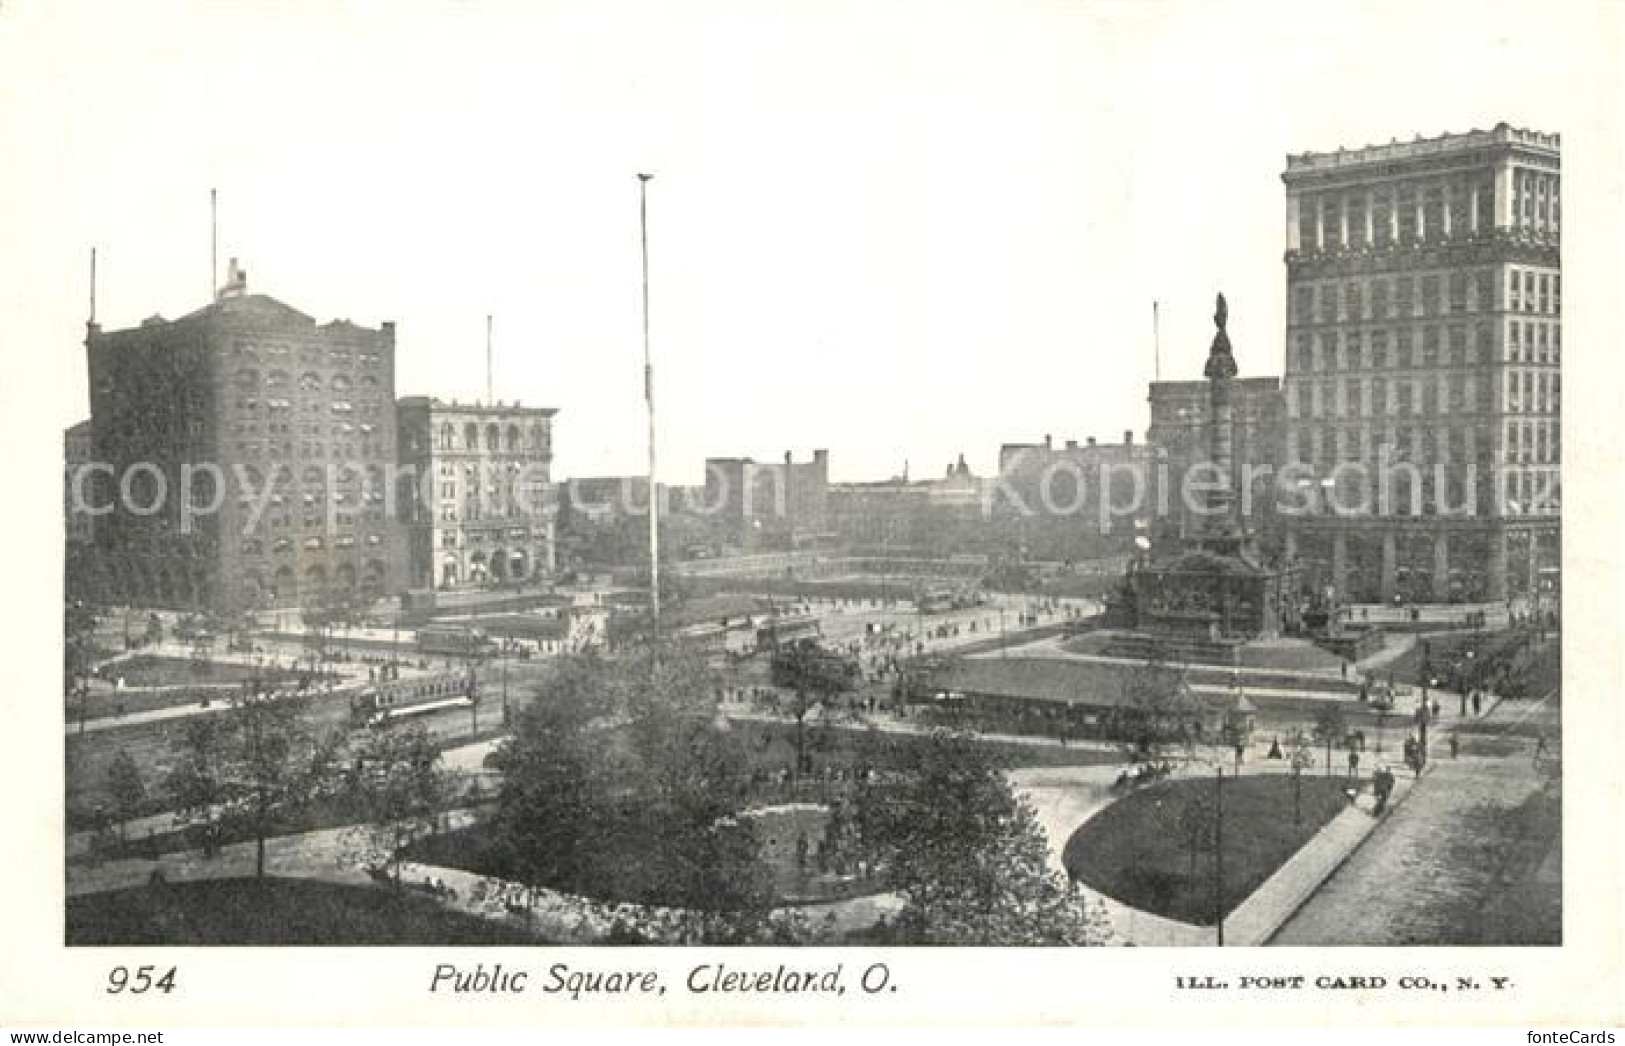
{"x":1218,"y":854}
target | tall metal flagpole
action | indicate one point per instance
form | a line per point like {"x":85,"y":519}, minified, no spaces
{"x":649,"y":398}
{"x":490,"y":396}
{"x":1156,"y":343}
{"x":214,"y":245}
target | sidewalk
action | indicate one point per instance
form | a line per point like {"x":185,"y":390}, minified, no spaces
{"x":1254,"y":921}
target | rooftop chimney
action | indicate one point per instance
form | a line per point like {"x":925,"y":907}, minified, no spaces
{"x":1091,"y":441}
{"x":1047,"y":443}
{"x":236,"y":281}
{"x":1128,"y":437}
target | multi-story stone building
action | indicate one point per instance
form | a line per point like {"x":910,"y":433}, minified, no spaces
{"x":767,"y":505}
{"x":242,"y":454}
{"x":932,"y":518}
{"x":1075,"y":501}
{"x":1424,"y":339}
{"x":1180,"y":432}
{"x":479,"y":499}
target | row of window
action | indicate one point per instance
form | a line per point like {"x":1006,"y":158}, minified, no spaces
{"x":1424,"y":211}
{"x":249,"y":350}
{"x":256,"y":547}
{"x":1404,"y":296}
{"x":1423,"y":347}
{"x":1391,"y":396}
{"x":474,"y":511}
{"x":369,"y":408}
{"x":451,"y":538}
{"x":248,"y":378}
{"x":1404,"y":213}
{"x":1526,"y":442}
{"x":1521,"y":492}
{"x":497,"y":438}
{"x":1527,"y":392}
{"x":339,"y":451}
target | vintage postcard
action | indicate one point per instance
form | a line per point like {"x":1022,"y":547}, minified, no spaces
{"x":819,"y":493}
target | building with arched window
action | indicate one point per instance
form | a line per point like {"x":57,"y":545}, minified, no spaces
{"x":263,"y":418}
{"x":479,"y":502}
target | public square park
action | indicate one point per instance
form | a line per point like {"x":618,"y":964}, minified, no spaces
{"x":702,"y":791}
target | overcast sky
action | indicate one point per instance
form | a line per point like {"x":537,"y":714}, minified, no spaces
{"x":895,"y":230}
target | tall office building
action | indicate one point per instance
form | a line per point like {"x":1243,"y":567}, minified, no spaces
{"x":242,"y":454}
{"x":1424,"y":338}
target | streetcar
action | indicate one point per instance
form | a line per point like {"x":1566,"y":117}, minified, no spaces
{"x":454,"y":641}
{"x":380,"y":704}
{"x":784,"y":629}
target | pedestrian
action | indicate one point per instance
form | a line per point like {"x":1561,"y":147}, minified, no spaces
{"x":1477,"y":701}
{"x":1345,"y":668}
{"x":1435,"y":709}
{"x":1354,"y":763}
{"x":1275,"y":749}
{"x":1455,"y":746}
{"x":1540,"y":745}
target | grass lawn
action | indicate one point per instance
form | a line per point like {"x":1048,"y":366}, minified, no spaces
{"x":275,"y":912}
{"x":1135,"y":850}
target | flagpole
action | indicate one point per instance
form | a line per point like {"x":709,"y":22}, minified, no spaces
{"x":649,"y":398}
{"x":1156,"y":342}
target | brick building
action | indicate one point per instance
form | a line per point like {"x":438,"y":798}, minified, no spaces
{"x":1424,"y":339}
{"x":1179,"y":430}
{"x":286,"y":427}
{"x":768,"y":505}
{"x":1075,"y":501}
{"x":932,"y":518}
{"x":479,"y":500}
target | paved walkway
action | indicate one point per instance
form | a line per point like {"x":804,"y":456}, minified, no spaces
{"x":1435,"y":857}
{"x":332,"y":855}
{"x":1064,"y":798}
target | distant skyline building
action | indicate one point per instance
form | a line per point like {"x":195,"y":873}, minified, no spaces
{"x":768,"y":505}
{"x":1424,"y":333}
{"x":1074,"y":501}
{"x":901,"y":517}
{"x":243,"y":451}
{"x":482,"y":506}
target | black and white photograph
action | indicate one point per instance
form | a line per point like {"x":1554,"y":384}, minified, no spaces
{"x":1042,"y":475}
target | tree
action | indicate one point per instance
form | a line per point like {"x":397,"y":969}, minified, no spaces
{"x":809,"y":676}
{"x":1197,"y":823}
{"x":124,"y":784}
{"x":1154,"y":713}
{"x":250,"y":768}
{"x":403,"y":786}
{"x":1330,"y":728}
{"x":621,"y":780}
{"x":969,"y":857}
